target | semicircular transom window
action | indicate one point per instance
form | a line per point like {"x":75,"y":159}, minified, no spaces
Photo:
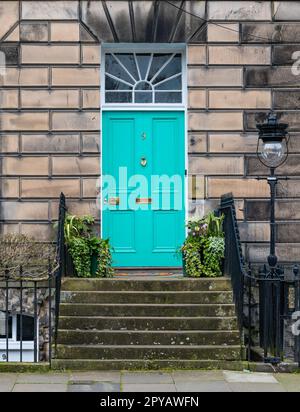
{"x":143,"y":78}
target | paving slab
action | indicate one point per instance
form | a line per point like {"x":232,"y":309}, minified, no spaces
{"x":43,"y":378}
{"x":101,"y":376}
{"x":146,"y":377}
{"x":6,"y":387}
{"x":213,"y":386}
{"x":290,"y":382}
{"x":95,"y":387}
{"x":148,"y":387}
{"x":32,"y":387}
{"x":198,"y":376}
{"x":256,"y":387}
{"x":251,"y":377}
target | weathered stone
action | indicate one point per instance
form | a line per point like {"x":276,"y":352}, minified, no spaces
{"x":65,"y":99}
{"x":64,"y":31}
{"x":42,"y":54}
{"x":75,"y":76}
{"x":227,"y":32}
{"x":196,"y":54}
{"x":34,"y":31}
{"x":25,"y":210}
{"x":239,"y":187}
{"x":9,"y":99}
{"x":77,"y":207}
{"x":25,"y":166}
{"x":257,"y":210}
{"x":197,"y":99}
{"x":289,"y":188}
{"x":91,"y":143}
{"x":24,"y":121}
{"x":289,"y":168}
{"x":9,"y":15}
{"x":9,"y":188}
{"x":9,"y":143}
{"x":85,"y":35}
{"x":75,"y":166}
{"x":49,"y":10}
{"x":76,"y":121}
{"x":239,"y":10}
{"x":283,"y":55}
{"x":197,"y":143}
{"x":90,"y":188}
{"x":254,"y":232}
{"x":49,"y":188}
{"x":232,"y":142}
{"x":257,"y":253}
{"x":288,"y":99}
{"x":94,"y":18}
{"x":216,"y":121}
{"x":25,"y":77}
{"x":11,"y":54}
{"x":237,"y":99}
{"x":14,"y":35}
{"x":286,"y":10}
{"x":270,"y":32}
{"x":41,"y":232}
{"x":91,"y":99}
{"x":49,"y":143}
{"x":91,"y":54}
{"x":239,"y":55}
{"x":196,"y":187}
{"x":214,"y":76}
{"x":292,"y":118}
{"x":288,"y":232}
{"x":214,"y":165}
{"x":271,"y":77}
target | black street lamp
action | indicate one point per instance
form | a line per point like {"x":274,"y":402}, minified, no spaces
{"x":272,"y":151}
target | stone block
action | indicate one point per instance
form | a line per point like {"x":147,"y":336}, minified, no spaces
{"x":292,"y":118}
{"x":215,"y":121}
{"x":239,"y":10}
{"x":75,"y":76}
{"x":77,"y":207}
{"x":254,"y":232}
{"x":85,"y":121}
{"x":232,"y":142}
{"x":76,"y":166}
{"x":25,"y":77}
{"x":259,"y":210}
{"x":25,"y":166}
{"x":9,"y":99}
{"x":24,"y":121}
{"x":91,"y":54}
{"x":271,"y":77}
{"x":287,"y":99}
{"x":64,"y":31}
{"x":197,"y":143}
{"x":216,"y":165}
{"x":288,"y":189}
{"x":197,"y":99}
{"x":11,"y":53}
{"x":196,"y":186}
{"x":91,"y":99}
{"x":9,"y":143}
{"x":244,"y":188}
{"x":282,"y":54}
{"x":224,"y":33}
{"x":50,"y":143}
{"x":34,"y":32}
{"x":44,"y":54}
{"x":91,"y":143}
{"x":286,"y":10}
{"x":41,"y":232}
{"x":214,"y":76}
{"x":60,"y":99}
{"x":49,"y":188}
{"x":25,"y":210}
{"x":9,"y":188}
{"x":50,"y":10}
{"x":289,"y":168}
{"x":90,"y":187}
{"x":242,"y":55}
{"x":270,"y":32}
{"x":9,"y":15}
{"x":196,"y":54}
{"x":240,"y":99}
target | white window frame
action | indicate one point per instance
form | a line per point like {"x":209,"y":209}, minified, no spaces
{"x":174,"y":48}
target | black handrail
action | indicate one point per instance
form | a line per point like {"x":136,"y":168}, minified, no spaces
{"x":60,"y":253}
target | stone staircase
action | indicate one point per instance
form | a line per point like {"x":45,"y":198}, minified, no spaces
{"x":147,"y":324}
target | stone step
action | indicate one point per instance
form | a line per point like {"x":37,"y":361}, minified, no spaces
{"x":183,"y":284}
{"x":109,"y":309}
{"x":146,"y":297}
{"x":139,"y":364}
{"x":148,"y":323}
{"x":148,"y":352}
{"x":84,"y":337}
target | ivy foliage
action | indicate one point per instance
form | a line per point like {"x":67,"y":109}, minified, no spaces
{"x":82,"y":245}
{"x":203,"y":249}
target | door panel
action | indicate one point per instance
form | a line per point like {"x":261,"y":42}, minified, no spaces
{"x":143,"y":215}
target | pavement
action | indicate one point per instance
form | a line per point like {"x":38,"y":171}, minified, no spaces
{"x":173,"y":381}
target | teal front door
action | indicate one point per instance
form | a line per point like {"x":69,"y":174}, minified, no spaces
{"x":143,"y":173}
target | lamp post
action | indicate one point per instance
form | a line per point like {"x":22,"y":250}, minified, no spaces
{"x":272,"y":151}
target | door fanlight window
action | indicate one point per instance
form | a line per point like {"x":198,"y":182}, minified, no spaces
{"x":143,"y":78}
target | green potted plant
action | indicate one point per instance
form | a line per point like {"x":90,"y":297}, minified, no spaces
{"x":91,"y":255}
{"x":203,"y":249}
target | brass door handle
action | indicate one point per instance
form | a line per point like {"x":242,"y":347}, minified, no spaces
{"x":112,"y":201}
{"x":143,"y":200}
